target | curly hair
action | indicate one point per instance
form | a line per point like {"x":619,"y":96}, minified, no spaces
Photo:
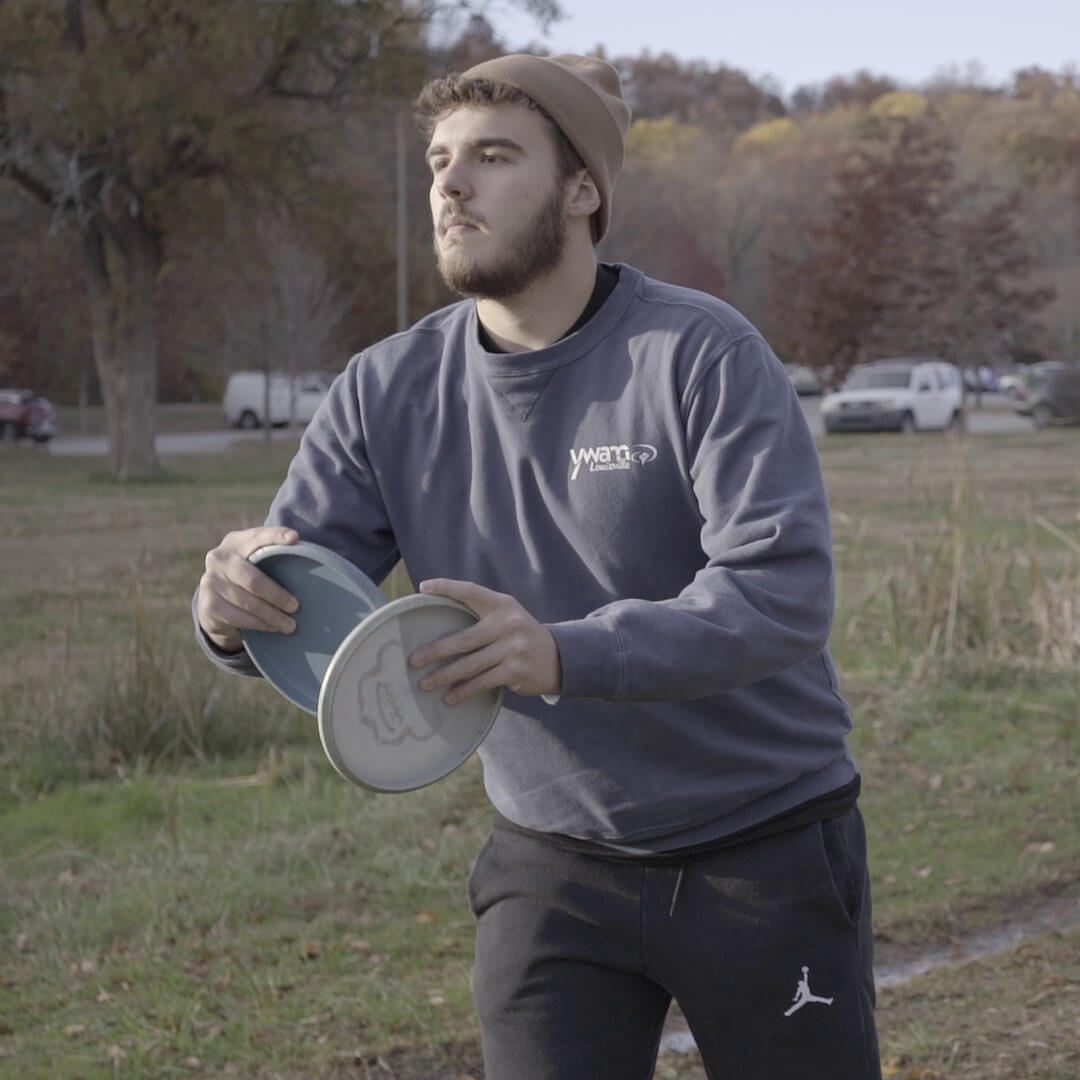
{"x":441,"y":96}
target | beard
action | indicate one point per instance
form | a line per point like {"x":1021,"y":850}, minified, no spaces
{"x":533,"y":251}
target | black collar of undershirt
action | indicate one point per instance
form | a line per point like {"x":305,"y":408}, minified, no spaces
{"x":607,"y":277}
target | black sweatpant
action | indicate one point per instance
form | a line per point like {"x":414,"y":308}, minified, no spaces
{"x":766,"y":946}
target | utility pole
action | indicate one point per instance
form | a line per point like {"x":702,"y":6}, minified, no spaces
{"x":402,"y":226}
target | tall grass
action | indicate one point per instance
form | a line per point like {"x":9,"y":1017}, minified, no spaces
{"x":963,"y":589}
{"x":148,"y":702}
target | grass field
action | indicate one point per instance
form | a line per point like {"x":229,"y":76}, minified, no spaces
{"x":186,"y":886}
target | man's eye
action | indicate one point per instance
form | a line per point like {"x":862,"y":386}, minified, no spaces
{"x":489,"y":159}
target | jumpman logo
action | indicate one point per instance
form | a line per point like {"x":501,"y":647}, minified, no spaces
{"x":803,"y":996}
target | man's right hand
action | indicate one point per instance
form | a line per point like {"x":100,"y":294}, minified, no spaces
{"x":236,"y":595}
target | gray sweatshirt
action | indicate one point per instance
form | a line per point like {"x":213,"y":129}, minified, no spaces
{"x":649,"y":489}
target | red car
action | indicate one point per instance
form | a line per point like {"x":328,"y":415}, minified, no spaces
{"x":26,"y":415}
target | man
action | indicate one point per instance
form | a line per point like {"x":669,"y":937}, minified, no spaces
{"x":615,"y":475}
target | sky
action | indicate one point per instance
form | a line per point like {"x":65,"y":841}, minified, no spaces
{"x":808,"y":41}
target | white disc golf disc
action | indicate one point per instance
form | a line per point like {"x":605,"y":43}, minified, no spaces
{"x":378,"y":728}
{"x":334,"y":597}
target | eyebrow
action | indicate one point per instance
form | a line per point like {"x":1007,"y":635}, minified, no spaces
{"x":479,"y":144}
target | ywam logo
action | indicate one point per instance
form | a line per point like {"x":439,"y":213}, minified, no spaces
{"x":613,"y":458}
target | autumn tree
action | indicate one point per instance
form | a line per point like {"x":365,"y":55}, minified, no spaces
{"x":719,"y":99}
{"x":907,"y":259}
{"x":120,"y":116}
{"x":862,"y":88}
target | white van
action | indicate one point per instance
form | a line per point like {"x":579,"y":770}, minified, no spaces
{"x":245,"y":397}
{"x":897,"y":395}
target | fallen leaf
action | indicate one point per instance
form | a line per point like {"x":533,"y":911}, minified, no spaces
{"x":1042,"y":848}
{"x":935,"y":781}
{"x":104,"y":997}
{"x":312,"y":950}
{"x":22,"y":943}
{"x":115,"y":1055}
{"x":426,"y":917}
{"x":924,"y":871}
{"x":429,"y":845}
{"x":73,"y":1031}
{"x":358,"y":944}
{"x":192,"y":1063}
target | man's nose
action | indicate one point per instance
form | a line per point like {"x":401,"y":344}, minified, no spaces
{"x":452,"y":181}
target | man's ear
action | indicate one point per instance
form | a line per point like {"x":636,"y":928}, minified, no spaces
{"x":583,"y":196}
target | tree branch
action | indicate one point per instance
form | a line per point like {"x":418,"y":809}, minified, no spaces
{"x":76,"y":30}
{"x":29,"y":183}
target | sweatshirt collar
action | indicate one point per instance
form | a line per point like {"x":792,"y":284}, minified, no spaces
{"x":563,"y":351}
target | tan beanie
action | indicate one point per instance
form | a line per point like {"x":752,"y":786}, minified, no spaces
{"x":583,"y":95}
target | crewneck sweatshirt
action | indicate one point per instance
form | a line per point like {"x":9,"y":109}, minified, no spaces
{"x":649,"y":489}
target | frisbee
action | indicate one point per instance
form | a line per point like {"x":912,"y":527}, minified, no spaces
{"x":334,"y":597}
{"x":378,"y":728}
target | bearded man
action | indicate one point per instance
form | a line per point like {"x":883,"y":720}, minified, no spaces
{"x":615,"y":476}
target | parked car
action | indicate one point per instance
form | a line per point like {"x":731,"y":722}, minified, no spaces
{"x":244,"y":402}
{"x":25,"y":414}
{"x":1050,"y":393}
{"x":1010,"y":383}
{"x":805,"y":380}
{"x":905,"y":394}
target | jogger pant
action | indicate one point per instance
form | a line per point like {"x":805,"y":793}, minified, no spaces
{"x":766,"y":946}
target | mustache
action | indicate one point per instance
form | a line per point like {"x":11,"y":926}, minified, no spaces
{"x":458,"y":217}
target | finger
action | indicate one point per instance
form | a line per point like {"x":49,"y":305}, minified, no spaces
{"x":478,"y":599}
{"x":266,"y":613}
{"x":229,"y":560}
{"x":486,"y":681}
{"x":465,"y":668}
{"x":240,"y":572}
{"x":223,"y":616}
{"x":461,"y":641}
{"x":250,"y":540}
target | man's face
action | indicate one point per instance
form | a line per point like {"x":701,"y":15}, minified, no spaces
{"x":496,"y":201}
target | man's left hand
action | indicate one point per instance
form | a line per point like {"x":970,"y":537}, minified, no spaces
{"x":507,"y":647}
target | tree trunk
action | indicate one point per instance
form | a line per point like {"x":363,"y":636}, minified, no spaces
{"x":122,"y":274}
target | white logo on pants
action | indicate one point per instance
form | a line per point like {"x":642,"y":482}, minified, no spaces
{"x":803,"y":996}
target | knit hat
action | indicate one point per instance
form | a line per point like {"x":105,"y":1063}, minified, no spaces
{"x":583,"y":95}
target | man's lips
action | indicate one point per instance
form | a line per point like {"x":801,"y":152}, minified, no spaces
{"x":457,"y":225}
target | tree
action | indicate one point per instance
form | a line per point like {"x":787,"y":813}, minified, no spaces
{"x":719,"y":99}
{"x":860,"y":89}
{"x":907,"y":259}
{"x":121,"y":116}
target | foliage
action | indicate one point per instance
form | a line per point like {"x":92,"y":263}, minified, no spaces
{"x":660,"y":142}
{"x":205,"y":123}
{"x":899,"y":105}
{"x":767,"y":134}
{"x":119,"y":117}
{"x":907,"y":260}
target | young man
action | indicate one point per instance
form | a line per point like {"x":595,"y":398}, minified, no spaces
{"x":615,"y":475}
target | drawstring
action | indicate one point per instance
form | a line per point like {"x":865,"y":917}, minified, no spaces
{"x":675,"y":891}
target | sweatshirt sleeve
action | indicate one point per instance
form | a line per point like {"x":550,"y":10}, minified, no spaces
{"x":762,"y":600}
{"x":330,"y":496}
